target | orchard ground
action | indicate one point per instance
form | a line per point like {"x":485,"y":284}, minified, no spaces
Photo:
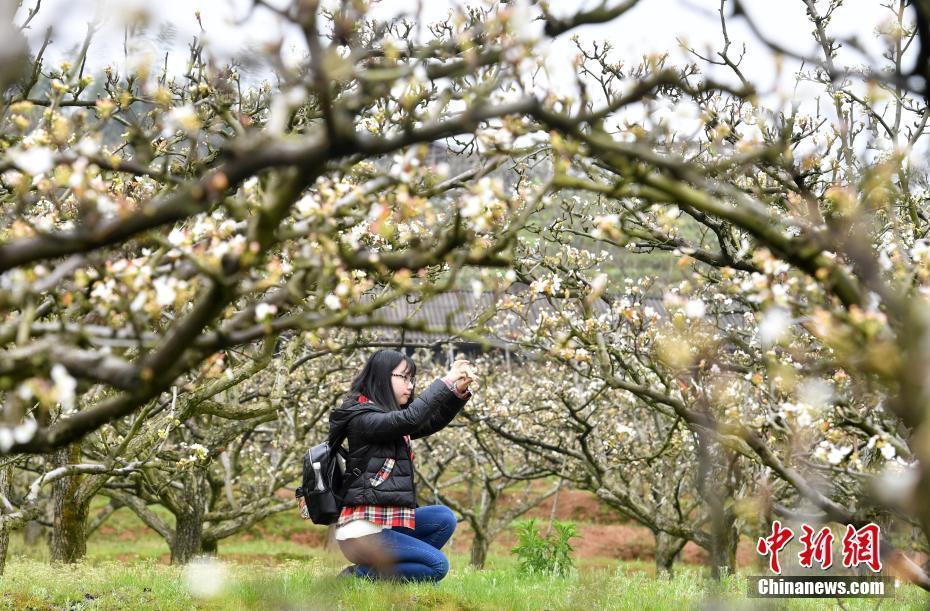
{"x":281,"y":564}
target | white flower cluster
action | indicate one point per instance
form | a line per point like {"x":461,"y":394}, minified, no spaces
{"x":884,"y":446}
{"x":405,"y":167}
{"x":309,"y":205}
{"x":831,"y":453}
{"x":206,"y":577}
{"x":181,"y":118}
{"x":265,"y":312}
{"x":774,"y":325}
{"x":693,"y":308}
{"x":211,"y":237}
{"x":606,"y":227}
{"x":920,"y":252}
{"x":624,"y":431}
{"x":65,"y":387}
{"x":802,"y":414}
{"x":198,"y":454}
{"x":34,"y":161}
{"x":21,"y":433}
{"x":550,"y":285}
{"x":482,"y":207}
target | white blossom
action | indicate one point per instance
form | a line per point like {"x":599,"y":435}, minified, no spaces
{"x":472,"y":207}
{"x":106,"y":206}
{"x":36,"y":160}
{"x":25,"y":431}
{"x":307,"y":205}
{"x":888,"y":451}
{"x":182,"y":118}
{"x":198,"y":451}
{"x":774,"y":325}
{"x":751,"y":133}
{"x":896,"y":482}
{"x":815,"y":393}
{"x":139,"y":302}
{"x":6,"y":438}
{"x":87,"y":146}
{"x":164,"y":291}
{"x":205,"y":577}
{"x":65,"y":385}
{"x":836,"y":455}
{"x":522,"y":22}
{"x":695,"y":308}
{"x":265,"y":311}
{"x":24,"y":392}
{"x":176,"y":237}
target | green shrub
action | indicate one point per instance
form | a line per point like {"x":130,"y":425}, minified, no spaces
{"x":550,"y":555}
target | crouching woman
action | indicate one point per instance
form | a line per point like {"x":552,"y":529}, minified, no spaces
{"x":381,"y":530}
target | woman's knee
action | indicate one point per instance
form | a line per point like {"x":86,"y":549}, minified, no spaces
{"x":440,"y":566}
{"x":449,"y":518}
{"x":443,"y":515}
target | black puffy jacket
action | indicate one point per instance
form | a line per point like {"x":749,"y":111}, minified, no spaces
{"x":376,"y":434}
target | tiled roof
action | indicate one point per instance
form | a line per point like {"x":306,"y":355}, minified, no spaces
{"x":459,"y":309}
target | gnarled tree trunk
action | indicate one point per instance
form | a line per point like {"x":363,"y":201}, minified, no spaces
{"x":479,"y":550}
{"x":723,"y":548}
{"x":69,"y":522}
{"x":188,"y":534}
{"x":713,"y":472}
{"x":667,"y":550}
{"x":6,"y":477}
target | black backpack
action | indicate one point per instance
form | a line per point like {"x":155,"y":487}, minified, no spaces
{"x":324,"y":482}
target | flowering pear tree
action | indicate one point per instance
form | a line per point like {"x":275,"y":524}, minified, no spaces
{"x":470,"y":469}
{"x":223,"y":213}
{"x":113,"y":456}
{"x":633,"y":451}
{"x":804,"y":219}
{"x":219,"y":470}
{"x":157,"y":222}
{"x":704,"y":363}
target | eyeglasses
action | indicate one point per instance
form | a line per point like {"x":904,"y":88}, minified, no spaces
{"x":408,"y":379}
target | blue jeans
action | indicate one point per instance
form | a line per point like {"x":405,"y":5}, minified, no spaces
{"x":405,"y":554}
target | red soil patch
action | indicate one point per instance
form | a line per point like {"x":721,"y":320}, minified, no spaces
{"x":577,"y":506}
{"x":303,"y":532}
{"x":311,"y":538}
{"x":574,"y":505}
{"x":745,"y":554}
{"x":123,"y":534}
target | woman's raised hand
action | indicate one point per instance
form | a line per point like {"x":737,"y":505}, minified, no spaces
{"x":462,"y":373}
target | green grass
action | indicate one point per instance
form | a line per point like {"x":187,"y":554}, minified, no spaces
{"x":309,"y":584}
{"x":266,"y":568}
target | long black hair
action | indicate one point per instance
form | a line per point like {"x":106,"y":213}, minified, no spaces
{"x":374,"y":380}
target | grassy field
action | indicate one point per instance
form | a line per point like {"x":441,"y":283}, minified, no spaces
{"x":308,"y":584}
{"x":270,"y":568}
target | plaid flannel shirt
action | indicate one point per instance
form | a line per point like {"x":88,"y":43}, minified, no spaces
{"x":389,"y":516}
